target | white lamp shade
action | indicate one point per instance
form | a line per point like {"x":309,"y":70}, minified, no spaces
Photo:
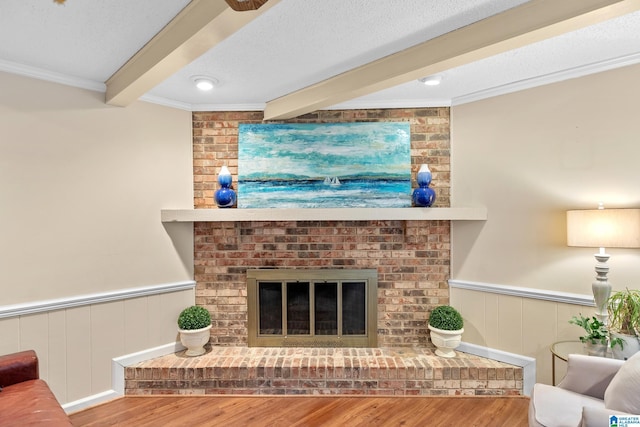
{"x":604,"y":228}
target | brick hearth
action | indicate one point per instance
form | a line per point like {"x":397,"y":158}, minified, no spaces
{"x":335,"y":371}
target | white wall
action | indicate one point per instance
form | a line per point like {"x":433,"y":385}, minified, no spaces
{"x":528,"y":157}
{"x":81,"y":189}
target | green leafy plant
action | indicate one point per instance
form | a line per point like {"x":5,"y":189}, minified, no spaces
{"x":194,"y":317}
{"x":446,"y":318}
{"x":624,"y":312}
{"x":596,"y":331}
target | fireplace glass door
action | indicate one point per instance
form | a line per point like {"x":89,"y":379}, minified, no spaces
{"x":326,"y":308}
{"x":319,"y":308}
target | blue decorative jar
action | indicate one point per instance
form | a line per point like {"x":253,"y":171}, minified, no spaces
{"x":225,"y":197}
{"x":423,"y":196}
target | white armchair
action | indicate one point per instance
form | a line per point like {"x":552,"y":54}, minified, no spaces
{"x":593,"y":389}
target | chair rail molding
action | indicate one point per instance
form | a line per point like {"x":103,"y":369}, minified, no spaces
{"x":77,"y":301}
{"x":518,"y":291}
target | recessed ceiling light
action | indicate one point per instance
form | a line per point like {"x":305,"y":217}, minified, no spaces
{"x":431,"y":80}
{"x":204,"y":83}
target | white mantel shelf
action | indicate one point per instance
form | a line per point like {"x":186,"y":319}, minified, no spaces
{"x":323,"y":214}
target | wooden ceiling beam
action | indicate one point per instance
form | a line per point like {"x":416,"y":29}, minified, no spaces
{"x":197,"y":28}
{"x":528,"y":23}
{"x":242,"y":5}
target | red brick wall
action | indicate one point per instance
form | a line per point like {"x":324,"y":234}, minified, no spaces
{"x":412,"y":257}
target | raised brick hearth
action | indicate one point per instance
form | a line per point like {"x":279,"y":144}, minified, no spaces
{"x":345,"y":371}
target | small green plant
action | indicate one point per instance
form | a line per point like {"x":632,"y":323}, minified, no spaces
{"x":194,"y":317}
{"x":446,"y":318}
{"x":624,"y":312}
{"x":596,"y":331}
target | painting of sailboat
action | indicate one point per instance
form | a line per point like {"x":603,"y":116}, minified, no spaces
{"x":332,"y":181}
{"x":311,"y":165}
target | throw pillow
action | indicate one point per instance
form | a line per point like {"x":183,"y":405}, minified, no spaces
{"x":623,"y":392}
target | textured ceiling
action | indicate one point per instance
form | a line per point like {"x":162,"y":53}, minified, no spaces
{"x":300,"y":42}
{"x":84,"y":39}
{"x":294,"y":44}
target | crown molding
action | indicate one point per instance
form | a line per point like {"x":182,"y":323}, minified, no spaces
{"x":258,"y":106}
{"x":50,"y":76}
{"x":392,"y":103}
{"x":167,"y":102}
{"x":571,"y":73}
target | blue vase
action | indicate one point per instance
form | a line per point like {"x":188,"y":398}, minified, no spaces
{"x":423,"y":196}
{"x":225,"y":197}
{"x":424,"y":176}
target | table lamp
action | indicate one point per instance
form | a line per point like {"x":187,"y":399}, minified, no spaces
{"x":603,"y":228}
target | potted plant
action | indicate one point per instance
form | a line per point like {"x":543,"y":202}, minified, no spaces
{"x":597,"y":336}
{"x":446,"y":326}
{"x":194,"y":324}
{"x":624,"y":322}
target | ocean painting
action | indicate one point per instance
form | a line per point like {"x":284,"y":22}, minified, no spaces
{"x":325,"y":165}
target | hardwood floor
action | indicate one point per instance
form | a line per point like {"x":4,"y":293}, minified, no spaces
{"x":289,"y":411}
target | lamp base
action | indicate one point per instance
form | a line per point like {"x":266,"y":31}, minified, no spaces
{"x":601,"y":288}
{"x":601,"y":292}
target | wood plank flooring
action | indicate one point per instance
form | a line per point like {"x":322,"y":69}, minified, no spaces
{"x":290,"y":411}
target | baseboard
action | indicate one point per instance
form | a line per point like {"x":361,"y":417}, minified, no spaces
{"x":86,"y":402}
{"x":118,"y":364}
{"x":528,"y":364}
{"x":117,"y":376}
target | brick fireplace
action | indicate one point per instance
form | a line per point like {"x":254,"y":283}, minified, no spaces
{"x":411,"y":257}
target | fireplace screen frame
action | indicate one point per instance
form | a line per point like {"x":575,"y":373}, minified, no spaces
{"x":290,"y":277}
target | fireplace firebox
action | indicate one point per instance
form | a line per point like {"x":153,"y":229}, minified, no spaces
{"x":312,"y":308}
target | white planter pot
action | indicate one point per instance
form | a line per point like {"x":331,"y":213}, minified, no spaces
{"x":195,"y":340}
{"x":631,"y":346}
{"x":595,"y":349}
{"x":445,"y":341}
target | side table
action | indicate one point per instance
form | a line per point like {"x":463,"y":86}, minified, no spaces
{"x":562,"y":350}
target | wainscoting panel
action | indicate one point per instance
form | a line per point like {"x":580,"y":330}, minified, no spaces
{"x":137,"y":322}
{"x":57,"y":354}
{"x":10,"y":333}
{"x":34,"y":335}
{"x":519,"y":320}
{"x":510,"y":331}
{"x":540,"y":320}
{"x":107,"y":341}
{"x":78,"y":353}
{"x":77,"y":339}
